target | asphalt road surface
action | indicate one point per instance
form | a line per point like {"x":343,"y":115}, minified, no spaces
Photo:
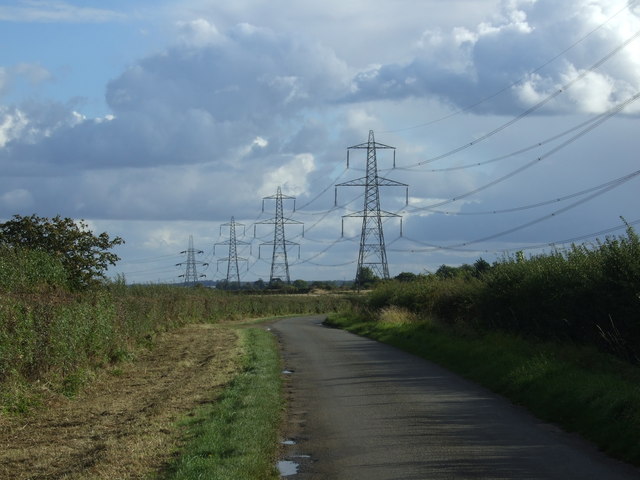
{"x":359,"y":409}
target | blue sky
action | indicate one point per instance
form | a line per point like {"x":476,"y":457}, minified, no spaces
{"x":159,"y":120}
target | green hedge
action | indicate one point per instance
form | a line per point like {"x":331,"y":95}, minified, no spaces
{"x":589,"y":295}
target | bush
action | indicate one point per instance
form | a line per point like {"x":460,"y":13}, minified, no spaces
{"x":588,"y":295}
{"x":23,"y":270}
{"x":85,"y":256}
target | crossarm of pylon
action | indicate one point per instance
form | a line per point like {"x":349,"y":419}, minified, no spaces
{"x":287,"y":242}
{"x":358,"y":182}
{"x":362,"y":213}
{"x":273,"y":221}
{"x":366,"y":145}
{"x":385,"y":182}
{"x":228,"y":242}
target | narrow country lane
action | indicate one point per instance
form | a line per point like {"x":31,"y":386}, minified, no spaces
{"x":359,"y":409}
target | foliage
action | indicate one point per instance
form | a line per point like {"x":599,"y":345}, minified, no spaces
{"x":588,"y":295}
{"x":84,"y":255}
{"x":365,"y":278}
{"x":406,"y":277}
{"x":301,"y":286}
{"x":23,"y":270}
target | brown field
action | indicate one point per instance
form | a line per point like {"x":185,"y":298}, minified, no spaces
{"x":124,"y":425}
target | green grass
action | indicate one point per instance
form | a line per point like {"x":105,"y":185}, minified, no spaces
{"x":578,"y":388}
{"x":237,"y":436}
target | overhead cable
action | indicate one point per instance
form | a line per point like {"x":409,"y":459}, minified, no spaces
{"x":629,"y":4}
{"x":535,"y":107}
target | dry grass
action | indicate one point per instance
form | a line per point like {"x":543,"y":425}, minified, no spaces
{"x":123,"y":425}
{"x":398,"y":315}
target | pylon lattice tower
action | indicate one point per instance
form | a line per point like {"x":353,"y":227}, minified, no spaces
{"x":190,"y":275}
{"x":372,"y":252}
{"x":279,"y":261}
{"x":233,"y":272}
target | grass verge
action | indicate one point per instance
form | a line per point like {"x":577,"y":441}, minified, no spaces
{"x":578,"y":388}
{"x":236,"y":437}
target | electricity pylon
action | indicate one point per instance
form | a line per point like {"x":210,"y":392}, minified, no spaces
{"x":191,"y":273}
{"x":279,"y":262}
{"x":372,"y":252}
{"x":233,"y":273}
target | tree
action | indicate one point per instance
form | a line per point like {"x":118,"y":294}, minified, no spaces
{"x":365,"y":278}
{"x":481,"y":266}
{"x":85,"y":256}
{"x":301,"y":286}
{"x":445,"y":271}
{"x":406,"y":277}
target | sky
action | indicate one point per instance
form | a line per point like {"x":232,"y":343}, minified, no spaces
{"x":514,"y":122}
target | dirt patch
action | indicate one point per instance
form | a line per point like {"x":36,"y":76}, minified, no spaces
{"x":124,"y":425}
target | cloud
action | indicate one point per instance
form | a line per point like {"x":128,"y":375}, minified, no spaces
{"x":463,"y":66}
{"x":189,"y":104}
{"x":33,"y":73}
{"x":27,"y":128}
{"x":197,"y":130}
{"x":46,"y":11}
{"x":17,"y":199}
{"x":244,"y":100}
{"x":12,"y":123}
{"x":198,"y":33}
{"x":292,"y":176}
{"x":254,"y":72}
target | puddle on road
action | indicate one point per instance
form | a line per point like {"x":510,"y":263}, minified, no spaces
{"x":287,"y":468}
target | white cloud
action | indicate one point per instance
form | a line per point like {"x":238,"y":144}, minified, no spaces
{"x":47,"y":11}
{"x":33,"y":73}
{"x":465,"y":65}
{"x":359,"y":119}
{"x":292,"y":176}
{"x":17,"y":199}
{"x":12,"y":124}
{"x":198,"y":33}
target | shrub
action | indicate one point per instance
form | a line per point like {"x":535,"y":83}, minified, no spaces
{"x":85,"y":256}
{"x":23,"y":270}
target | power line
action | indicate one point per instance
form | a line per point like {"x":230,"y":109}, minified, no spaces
{"x":531,"y":163}
{"x":527,"y":247}
{"x":535,"y":107}
{"x":521,"y":226}
{"x":615,"y":183}
{"x":629,"y":4}
{"x":522,"y":150}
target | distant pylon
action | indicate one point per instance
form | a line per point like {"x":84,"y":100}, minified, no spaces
{"x":190,"y":275}
{"x":279,"y":262}
{"x":233,"y":272}
{"x":372,"y":252}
